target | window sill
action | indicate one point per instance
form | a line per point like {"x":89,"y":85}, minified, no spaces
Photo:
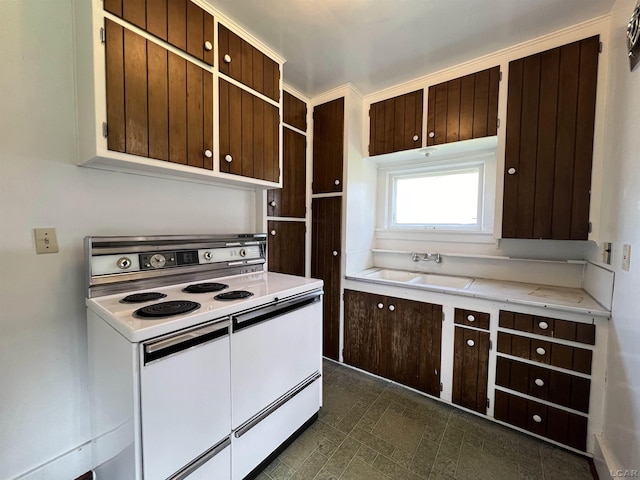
{"x":450,"y":236}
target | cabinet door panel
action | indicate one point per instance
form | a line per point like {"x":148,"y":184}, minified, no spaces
{"x":294,"y":111}
{"x":470,"y":369}
{"x":114,"y":64}
{"x":135,"y":87}
{"x":177,"y":109}
{"x":289,"y":201}
{"x":549,"y":143}
{"x":365,"y":331}
{"x":395,"y":122}
{"x":328,"y":146}
{"x":326,"y":239}
{"x":286,"y":247}
{"x":158,"y":77}
{"x":157,"y":18}
{"x":430,"y":351}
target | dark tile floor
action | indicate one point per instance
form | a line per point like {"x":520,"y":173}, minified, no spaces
{"x":370,"y":429}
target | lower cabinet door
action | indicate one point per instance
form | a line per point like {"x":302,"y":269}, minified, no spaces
{"x":470,"y":369}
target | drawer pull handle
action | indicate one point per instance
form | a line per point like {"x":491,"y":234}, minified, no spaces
{"x":540,"y":351}
{"x":543,"y":325}
{"x":471,"y":343}
{"x":539,"y":382}
{"x":471,"y":318}
{"x":227,"y":58}
{"x":537,"y":418}
{"x":380,"y":305}
{"x":391,"y":308}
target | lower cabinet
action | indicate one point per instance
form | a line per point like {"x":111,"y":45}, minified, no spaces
{"x":395,"y":338}
{"x":470,"y":369}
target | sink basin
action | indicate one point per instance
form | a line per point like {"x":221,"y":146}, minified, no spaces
{"x":393,"y":275}
{"x":441,"y":281}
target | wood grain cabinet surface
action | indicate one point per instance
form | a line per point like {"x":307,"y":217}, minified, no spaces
{"x":396,"y":123}
{"x":463,"y":108}
{"x":328,"y":146}
{"x":180,"y":23}
{"x":243,"y":62}
{"x":326,"y":221}
{"x":395,"y":338}
{"x":549,"y":143}
{"x":149,"y":112}
{"x":286,"y":247}
{"x":294,"y":111}
{"x":249,"y":134}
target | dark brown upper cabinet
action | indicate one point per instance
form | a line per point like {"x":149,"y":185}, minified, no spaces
{"x":290,"y":200}
{"x":464,"y":108}
{"x":249,"y":134}
{"x":149,"y":112}
{"x":294,"y":111}
{"x":241,"y":61}
{"x":181,"y":23}
{"x":549,"y":143}
{"x":328,"y":146}
{"x":396,"y":124}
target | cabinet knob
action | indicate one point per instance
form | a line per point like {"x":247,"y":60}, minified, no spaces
{"x":471,"y":343}
{"x":334,"y":253}
{"x":208,"y":46}
{"x":511,"y":171}
{"x":540,"y":351}
{"x":272,"y":203}
{"x":537,"y":418}
{"x":432,"y":134}
{"x":391,"y":308}
{"x":273,"y":233}
{"x":539,"y":382}
{"x":471,"y":318}
{"x":208,"y":153}
{"x":543,"y":325}
{"x":337,"y":182}
{"x":380,"y":305}
{"x":227,"y":58}
{"x":416,"y":138}
{"x":228,"y":158}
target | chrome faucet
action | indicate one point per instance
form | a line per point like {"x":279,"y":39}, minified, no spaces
{"x":426,"y":257}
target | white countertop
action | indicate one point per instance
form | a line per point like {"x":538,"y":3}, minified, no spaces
{"x":574,"y":300}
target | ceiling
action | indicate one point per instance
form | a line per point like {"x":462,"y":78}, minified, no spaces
{"x":375,"y":44}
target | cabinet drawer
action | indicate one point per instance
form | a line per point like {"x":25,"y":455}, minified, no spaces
{"x":243,"y":62}
{"x":471,"y":318}
{"x":181,"y":23}
{"x":562,"y":356}
{"x":556,"y":424}
{"x":550,"y":385}
{"x":549,"y":327}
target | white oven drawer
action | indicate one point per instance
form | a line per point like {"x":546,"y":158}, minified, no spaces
{"x":185,"y":398}
{"x":270,"y":357}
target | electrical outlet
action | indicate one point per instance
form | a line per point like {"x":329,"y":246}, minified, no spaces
{"x":626,"y":257}
{"x":46,"y":240}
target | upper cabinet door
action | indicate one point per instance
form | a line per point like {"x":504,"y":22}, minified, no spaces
{"x":396,"y":124}
{"x":249,"y":134}
{"x":294,"y":111}
{"x":290,"y":200}
{"x":464,"y":108}
{"x":243,"y":62}
{"x":149,"y":113}
{"x":181,"y":23}
{"x":549,"y":143}
{"x":328,"y":146}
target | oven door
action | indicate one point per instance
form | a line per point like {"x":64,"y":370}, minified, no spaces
{"x":185,"y":399}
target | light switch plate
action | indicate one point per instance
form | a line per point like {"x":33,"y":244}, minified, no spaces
{"x":626,"y":257}
{"x":46,"y":240}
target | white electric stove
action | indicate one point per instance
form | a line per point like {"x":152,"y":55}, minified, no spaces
{"x":202,"y":364}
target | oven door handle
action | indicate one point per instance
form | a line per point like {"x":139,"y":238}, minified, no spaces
{"x":201,"y":460}
{"x":276,"y":309}
{"x":172,"y":344}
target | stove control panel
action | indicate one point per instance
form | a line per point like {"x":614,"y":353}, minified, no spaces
{"x":155,"y":260}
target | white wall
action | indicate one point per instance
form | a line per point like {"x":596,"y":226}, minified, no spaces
{"x":622,"y":150}
{"x":43,"y":378}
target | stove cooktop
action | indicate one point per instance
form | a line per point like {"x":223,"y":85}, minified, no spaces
{"x":262,"y":288}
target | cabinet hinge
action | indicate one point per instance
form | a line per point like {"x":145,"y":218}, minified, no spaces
{"x":105,"y":130}
{"x":441,"y":387}
{"x":443,"y":316}
{"x":488,"y":402}
{"x":498,"y":123}
{"x":600,"y":47}
{"x":490,"y":345}
{"x":103,"y":35}
{"x":500,"y":78}
{"x":590,"y":227}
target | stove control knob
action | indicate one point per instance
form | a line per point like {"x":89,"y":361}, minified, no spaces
{"x":243,"y":252}
{"x":207,"y":255}
{"x":158,"y":261}
{"x":123,"y":263}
